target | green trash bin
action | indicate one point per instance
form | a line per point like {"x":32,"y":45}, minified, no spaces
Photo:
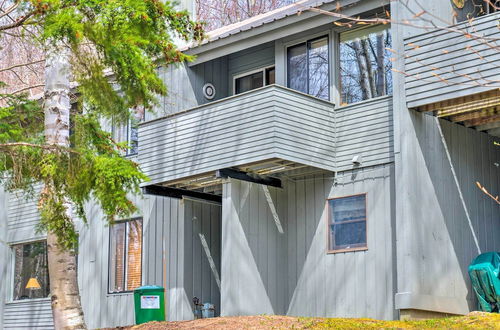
{"x":149,"y":304}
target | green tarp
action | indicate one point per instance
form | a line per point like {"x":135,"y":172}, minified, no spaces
{"x":484,"y":272}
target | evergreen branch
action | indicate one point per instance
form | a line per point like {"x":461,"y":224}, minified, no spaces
{"x":7,"y":146}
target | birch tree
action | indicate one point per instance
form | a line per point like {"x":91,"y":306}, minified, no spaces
{"x":110,"y":50}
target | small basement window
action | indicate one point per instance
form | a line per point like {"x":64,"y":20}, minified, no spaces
{"x":125,"y":256}
{"x":347,"y":223}
{"x":255,"y":79}
{"x":31,"y":271}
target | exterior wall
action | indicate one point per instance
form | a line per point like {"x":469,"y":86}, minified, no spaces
{"x":214,"y":72}
{"x":171,"y":228}
{"x":18,"y":221}
{"x":202,"y":255}
{"x":4,"y":254}
{"x":268,"y":271}
{"x":248,"y":60}
{"x":365,"y":129}
{"x":439,"y":209}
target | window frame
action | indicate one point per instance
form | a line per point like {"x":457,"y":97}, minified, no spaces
{"x":329,"y":221}
{"x":331,"y":40}
{"x":247,"y":73}
{"x":125,"y":254}
{"x":338,"y":68}
{"x":128,"y":152}
{"x":12,"y":262}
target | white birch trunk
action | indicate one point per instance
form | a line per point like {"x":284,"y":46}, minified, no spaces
{"x":65,"y":296}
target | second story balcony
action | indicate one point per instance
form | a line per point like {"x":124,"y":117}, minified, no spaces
{"x":263,"y":132}
{"x":453,"y":72}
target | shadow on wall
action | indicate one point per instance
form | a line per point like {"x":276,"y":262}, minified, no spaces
{"x":456,"y":212}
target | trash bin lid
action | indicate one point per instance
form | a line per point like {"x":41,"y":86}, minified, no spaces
{"x":146,"y":288}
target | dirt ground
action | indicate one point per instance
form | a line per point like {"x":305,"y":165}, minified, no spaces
{"x":475,"y":320}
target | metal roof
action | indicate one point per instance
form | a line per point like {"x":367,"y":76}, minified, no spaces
{"x":262,"y":19}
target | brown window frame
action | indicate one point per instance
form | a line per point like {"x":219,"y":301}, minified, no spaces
{"x":329,"y":222}
{"x":124,"y":255}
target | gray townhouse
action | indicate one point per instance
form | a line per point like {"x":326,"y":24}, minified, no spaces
{"x":300,"y":166}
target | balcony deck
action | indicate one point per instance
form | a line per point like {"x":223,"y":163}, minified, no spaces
{"x":454,"y":73}
{"x":265,"y":131}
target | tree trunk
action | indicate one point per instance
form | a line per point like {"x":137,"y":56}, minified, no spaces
{"x":65,"y":297}
{"x":364,"y":80}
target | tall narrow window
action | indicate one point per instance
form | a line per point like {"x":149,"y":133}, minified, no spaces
{"x":308,"y":68}
{"x":125,"y":256}
{"x":365,"y":66}
{"x":347,"y":223}
{"x":31,"y":272}
{"x":129,"y":132}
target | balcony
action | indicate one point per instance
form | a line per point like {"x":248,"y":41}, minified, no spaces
{"x":454,"y":73}
{"x":263,"y":132}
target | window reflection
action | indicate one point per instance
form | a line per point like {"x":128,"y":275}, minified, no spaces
{"x":308,"y":68}
{"x":365,"y":66}
{"x":31,"y":271}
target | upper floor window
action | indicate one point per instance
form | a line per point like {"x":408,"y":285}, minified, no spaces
{"x":31,"y":271}
{"x":248,"y":81}
{"x":125,"y":255}
{"x":129,"y":132}
{"x":365,"y":66}
{"x":308,"y":69}
{"x":347,"y":223}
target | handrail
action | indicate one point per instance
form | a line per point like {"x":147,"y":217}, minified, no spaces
{"x":270,"y":87}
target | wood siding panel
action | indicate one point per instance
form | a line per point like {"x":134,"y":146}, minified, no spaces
{"x":364,"y":129}
{"x":30,"y":314}
{"x":443,"y":65}
{"x":22,"y":217}
{"x":248,"y":60}
{"x":251,"y":127}
{"x":290,"y":272}
{"x":435,"y":243}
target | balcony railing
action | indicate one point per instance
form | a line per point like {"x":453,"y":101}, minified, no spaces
{"x":267,"y":130}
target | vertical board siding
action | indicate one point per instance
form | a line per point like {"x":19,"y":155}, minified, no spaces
{"x":29,"y":314}
{"x":442,"y":65}
{"x":436,"y":243}
{"x":248,"y":60}
{"x":214,"y":72}
{"x":173,"y":257}
{"x":290,"y":272}
{"x":201,"y":219}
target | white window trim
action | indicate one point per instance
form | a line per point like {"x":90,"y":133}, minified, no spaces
{"x":247,"y":73}
{"x":12,"y":262}
{"x":126,"y":220}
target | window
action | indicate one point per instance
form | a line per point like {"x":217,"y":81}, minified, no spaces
{"x":129,"y":132}
{"x":347,"y":223}
{"x":248,"y":81}
{"x":308,"y":68}
{"x":365,"y":66}
{"x":31,"y":271}
{"x":125,"y":255}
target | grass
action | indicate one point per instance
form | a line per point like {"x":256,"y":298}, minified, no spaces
{"x":475,"y":320}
